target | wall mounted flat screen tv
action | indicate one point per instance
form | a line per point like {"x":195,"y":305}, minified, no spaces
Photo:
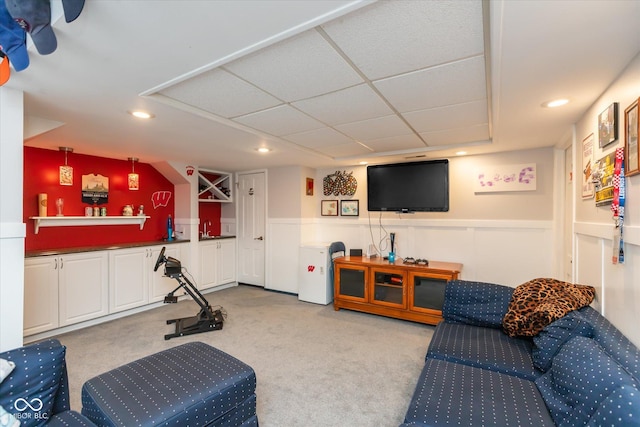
{"x":409,"y":187}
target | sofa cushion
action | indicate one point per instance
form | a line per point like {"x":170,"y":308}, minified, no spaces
{"x":620,"y":408}
{"x":549,"y":341}
{"x":30,"y":390}
{"x":481,"y":347}
{"x":452,"y":394}
{"x":581,"y":377}
{"x":476,"y":303}
{"x":613,"y":342}
{"x":538,"y":302}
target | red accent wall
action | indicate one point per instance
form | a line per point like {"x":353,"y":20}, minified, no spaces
{"x":41,"y":175}
{"x":210,"y":212}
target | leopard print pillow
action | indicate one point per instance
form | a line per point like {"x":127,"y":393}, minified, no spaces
{"x":537,"y":303}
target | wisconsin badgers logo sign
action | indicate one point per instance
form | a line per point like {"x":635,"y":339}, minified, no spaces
{"x":160,"y":198}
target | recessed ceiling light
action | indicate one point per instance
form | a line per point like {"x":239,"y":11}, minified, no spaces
{"x":141,"y":114}
{"x":461,"y":153}
{"x":555,"y":103}
{"x":363,"y":162}
{"x":263,"y":150}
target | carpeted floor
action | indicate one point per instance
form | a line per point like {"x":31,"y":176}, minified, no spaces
{"x":314,"y":366}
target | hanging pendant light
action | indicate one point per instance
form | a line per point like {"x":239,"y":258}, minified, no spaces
{"x":134,"y":178}
{"x":66,"y":171}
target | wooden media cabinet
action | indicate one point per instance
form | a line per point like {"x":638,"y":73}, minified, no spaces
{"x":404,"y":291}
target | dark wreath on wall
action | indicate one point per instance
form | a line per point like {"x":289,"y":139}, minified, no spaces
{"x":339,"y":184}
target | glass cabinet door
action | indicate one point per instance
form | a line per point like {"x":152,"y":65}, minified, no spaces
{"x":388,"y":287}
{"x":351,"y":282}
{"x":427,"y":293}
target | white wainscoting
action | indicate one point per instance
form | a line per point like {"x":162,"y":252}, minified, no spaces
{"x":617,"y":287}
{"x":504,"y":252}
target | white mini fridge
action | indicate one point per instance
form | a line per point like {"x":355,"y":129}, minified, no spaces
{"x":315,"y":273}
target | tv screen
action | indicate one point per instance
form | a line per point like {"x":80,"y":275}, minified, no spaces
{"x":409,"y":187}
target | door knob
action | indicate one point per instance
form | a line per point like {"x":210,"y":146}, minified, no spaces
{"x":258,"y":238}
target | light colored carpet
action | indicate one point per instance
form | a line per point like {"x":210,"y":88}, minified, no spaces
{"x":314,"y":366}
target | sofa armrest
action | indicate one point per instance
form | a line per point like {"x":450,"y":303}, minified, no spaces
{"x":476,"y":303}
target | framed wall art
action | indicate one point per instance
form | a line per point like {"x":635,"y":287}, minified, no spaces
{"x":329,"y":208}
{"x":587,"y":166}
{"x":349,"y":207}
{"x":631,"y":129}
{"x":608,"y":125}
{"x":309,"y":187}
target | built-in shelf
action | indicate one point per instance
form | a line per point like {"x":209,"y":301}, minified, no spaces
{"x":68,"y":221}
{"x":214,"y":186}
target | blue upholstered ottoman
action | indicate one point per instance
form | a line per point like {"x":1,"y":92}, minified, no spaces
{"x":192,"y":384}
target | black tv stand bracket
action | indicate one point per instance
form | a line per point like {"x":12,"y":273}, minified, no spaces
{"x":206,"y":320}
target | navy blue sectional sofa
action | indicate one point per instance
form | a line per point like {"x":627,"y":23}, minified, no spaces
{"x":192,"y":384}
{"x":579,"y":371}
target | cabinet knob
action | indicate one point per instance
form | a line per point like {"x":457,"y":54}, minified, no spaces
{"x":258,"y":238}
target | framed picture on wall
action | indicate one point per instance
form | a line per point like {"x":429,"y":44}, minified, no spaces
{"x":349,"y":207}
{"x":587,"y":167}
{"x":329,"y":208}
{"x":608,"y":125}
{"x":631,"y":129}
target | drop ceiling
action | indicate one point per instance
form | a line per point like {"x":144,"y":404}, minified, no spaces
{"x":321,"y":83}
{"x":385,"y":79}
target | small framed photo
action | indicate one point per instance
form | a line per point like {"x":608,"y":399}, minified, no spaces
{"x":349,"y":207}
{"x":329,"y":208}
{"x":631,"y":130}
{"x":309,"y":186}
{"x":608,"y":125}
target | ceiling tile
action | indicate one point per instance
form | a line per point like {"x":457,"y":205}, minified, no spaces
{"x":457,"y":136}
{"x":452,"y":116}
{"x":345,"y":106}
{"x":344,"y":150}
{"x":395,"y":143}
{"x":394,"y":37}
{"x":319,"y":137}
{"x":454,"y":83}
{"x":220,"y":93}
{"x":281,"y":120}
{"x":297,"y":68}
{"x":377,"y":128}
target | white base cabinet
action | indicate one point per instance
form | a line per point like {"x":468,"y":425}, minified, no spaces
{"x":63,"y":290}
{"x":132,"y":281}
{"x":128,"y":278}
{"x":217,"y":262}
{"x":67,"y":289}
{"x":40,"y":294}
{"x":159,"y":285}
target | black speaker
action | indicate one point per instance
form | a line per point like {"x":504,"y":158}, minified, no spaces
{"x":355,"y":252}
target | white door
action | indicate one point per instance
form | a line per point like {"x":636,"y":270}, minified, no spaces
{"x":568,"y":213}
{"x":251,"y":228}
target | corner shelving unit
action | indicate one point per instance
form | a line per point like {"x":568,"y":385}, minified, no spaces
{"x":215,"y":186}
{"x":68,"y":221}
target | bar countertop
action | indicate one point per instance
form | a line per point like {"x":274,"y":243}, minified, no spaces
{"x":65,"y":251}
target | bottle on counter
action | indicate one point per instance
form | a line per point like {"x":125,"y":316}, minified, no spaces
{"x":169,"y":228}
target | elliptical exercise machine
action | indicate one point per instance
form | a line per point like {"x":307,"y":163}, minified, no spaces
{"x":206,"y":320}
